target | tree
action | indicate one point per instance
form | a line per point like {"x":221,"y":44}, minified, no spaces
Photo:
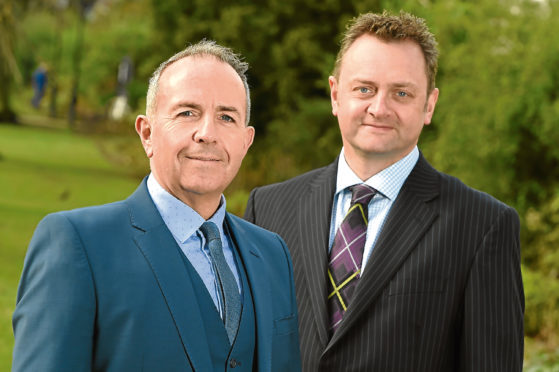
{"x":9,"y":71}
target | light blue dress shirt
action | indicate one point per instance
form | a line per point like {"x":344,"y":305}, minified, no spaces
{"x":184,"y":223}
{"x":387,"y":182}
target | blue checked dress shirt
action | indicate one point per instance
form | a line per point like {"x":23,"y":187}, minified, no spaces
{"x":184,"y":223}
{"x":387,"y":182}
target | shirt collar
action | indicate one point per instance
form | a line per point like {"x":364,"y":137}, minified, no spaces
{"x":388,"y":182}
{"x":182,"y":220}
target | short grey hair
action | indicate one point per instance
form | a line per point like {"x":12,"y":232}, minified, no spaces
{"x":202,"y":48}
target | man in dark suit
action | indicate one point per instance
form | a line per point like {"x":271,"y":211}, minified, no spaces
{"x":165,"y":280}
{"x":398,"y":267}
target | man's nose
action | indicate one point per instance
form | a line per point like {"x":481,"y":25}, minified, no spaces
{"x":379,"y":105}
{"x":206,"y":130}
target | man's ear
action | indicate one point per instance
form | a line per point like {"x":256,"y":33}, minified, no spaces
{"x":333,"y":94}
{"x":249,"y":137}
{"x":430,"y":106}
{"x":144,"y":130}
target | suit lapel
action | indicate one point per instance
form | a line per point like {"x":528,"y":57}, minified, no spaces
{"x":159,"y":248}
{"x":315,"y":209}
{"x":407,"y":221}
{"x":261,"y":296}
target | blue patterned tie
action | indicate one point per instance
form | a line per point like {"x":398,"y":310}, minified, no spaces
{"x":227,"y":284}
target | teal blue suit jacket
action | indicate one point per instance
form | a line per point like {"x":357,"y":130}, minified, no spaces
{"x":105,"y":289}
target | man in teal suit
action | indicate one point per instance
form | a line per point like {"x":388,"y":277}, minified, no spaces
{"x":165,"y":280}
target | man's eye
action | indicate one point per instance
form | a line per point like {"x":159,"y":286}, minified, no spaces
{"x":227,"y":118}
{"x":402,"y":94}
{"x":364,"y":90}
{"x":186,"y":113}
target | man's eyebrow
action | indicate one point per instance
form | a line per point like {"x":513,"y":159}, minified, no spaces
{"x":405,"y":84}
{"x":228,"y":109}
{"x":187,"y":104}
{"x":364,"y":82}
{"x":397,"y":84}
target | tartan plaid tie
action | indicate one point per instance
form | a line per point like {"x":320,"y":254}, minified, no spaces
{"x":346,"y":256}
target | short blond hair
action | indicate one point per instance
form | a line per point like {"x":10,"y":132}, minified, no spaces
{"x":202,"y":48}
{"x":390,"y":27}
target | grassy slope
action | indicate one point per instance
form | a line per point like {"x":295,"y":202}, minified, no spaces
{"x":42,"y":171}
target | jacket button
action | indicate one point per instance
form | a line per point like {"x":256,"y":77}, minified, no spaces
{"x":233,"y":363}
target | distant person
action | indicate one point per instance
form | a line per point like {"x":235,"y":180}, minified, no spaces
{"x":124,"y":76}
{"x":119,"y":106}
{"x":398,"y":267}
{"x":39,"y":81}
{"x":165,"y":280}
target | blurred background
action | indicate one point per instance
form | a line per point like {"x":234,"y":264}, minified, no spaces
{"x":74,"y":73}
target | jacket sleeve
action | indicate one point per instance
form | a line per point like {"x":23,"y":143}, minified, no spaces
{"x":492,"y":333}
{"x":54,"y":318}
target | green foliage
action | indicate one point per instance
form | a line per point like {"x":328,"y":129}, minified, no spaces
{"x":542,"y":236}
{"x":129,"y":36}
{"x":50,"y":36}
{"x":542,"y":300}
{"x":8,"y":66}
{"x":540,"y":357}
{"x":237,"y":201}
{"x":498,"y":95}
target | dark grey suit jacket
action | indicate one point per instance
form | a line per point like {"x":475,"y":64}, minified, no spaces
{"x":442,"y":290}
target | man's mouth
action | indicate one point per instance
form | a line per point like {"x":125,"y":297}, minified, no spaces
{"x":203,"y":157}
{"x":379,"y":126}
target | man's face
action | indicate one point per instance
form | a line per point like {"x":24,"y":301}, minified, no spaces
{"x":197,"y":138}
{"x":380,"y":99}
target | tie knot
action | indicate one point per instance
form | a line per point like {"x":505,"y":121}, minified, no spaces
{"x":362,"y":194}
{"x":210,"y":231}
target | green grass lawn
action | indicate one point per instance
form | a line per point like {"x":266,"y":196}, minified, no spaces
{"x":43,"y":171}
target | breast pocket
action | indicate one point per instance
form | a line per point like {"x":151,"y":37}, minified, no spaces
{"x":285,"y":345}
{"x":285,"y":326}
